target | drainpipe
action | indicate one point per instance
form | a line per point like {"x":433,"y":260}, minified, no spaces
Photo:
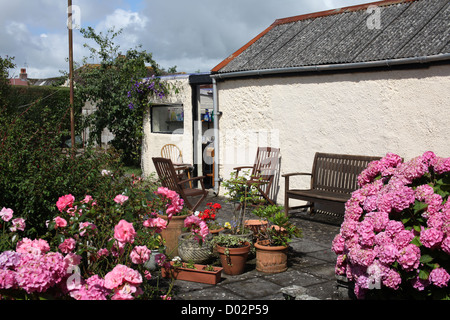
{"x":216,"y":137}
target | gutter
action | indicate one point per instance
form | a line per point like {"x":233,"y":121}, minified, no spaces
{"x":333,"y":67}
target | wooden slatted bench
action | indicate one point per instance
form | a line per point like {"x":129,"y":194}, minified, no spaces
{"x":333,"y":179}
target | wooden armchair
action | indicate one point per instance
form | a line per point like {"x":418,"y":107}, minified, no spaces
{"x":263,"y":171}
{"x":170,"y":179}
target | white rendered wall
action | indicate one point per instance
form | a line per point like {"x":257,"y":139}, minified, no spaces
{"x":370,"y":113}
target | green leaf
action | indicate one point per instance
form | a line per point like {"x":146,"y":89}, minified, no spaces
{"x":424,"y":274}
{"x":426,"y":258}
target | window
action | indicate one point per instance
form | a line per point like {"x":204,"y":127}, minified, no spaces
{"x":167,"y":118}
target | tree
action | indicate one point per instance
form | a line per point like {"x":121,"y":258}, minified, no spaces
{"x":5,"y":65}
{"x":108,"y":85}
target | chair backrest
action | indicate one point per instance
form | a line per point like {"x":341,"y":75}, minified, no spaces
{"x":172,"y":152}
{"x":338,"y":172}
{"x":266,"y":162}
{"x":166,"y":173}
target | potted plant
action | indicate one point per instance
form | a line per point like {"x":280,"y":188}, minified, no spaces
{"x":169,"y":206}
{"x":233,"y":252}
{"x":193,"y":245}
{"x":273,"y":240}
{"x":241,"y":196}
{"x":190,"y":271}
{"x":209,"y":215}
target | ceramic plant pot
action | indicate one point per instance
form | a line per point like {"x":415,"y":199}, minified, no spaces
{"x":233,"y":259}
{"x":271,"y":259}
{"x":190,"y":250}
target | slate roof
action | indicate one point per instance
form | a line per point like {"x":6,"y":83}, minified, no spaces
{"x":408,"y":28}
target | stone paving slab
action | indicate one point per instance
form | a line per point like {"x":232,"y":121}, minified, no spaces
{"x":310,"y":269}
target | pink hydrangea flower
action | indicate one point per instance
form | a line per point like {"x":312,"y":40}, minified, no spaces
{"x":409,"y":257}
{"x":36,"y":247}
{"x":439,"y":277}
{"x":124,"y":232}
{"x":431,"y":237}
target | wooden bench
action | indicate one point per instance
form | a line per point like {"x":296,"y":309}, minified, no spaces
{"x":333,"y":179}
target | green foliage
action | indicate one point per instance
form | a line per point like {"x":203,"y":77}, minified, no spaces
{"x":242,"y":195}
{"x":280,"y":230}
{"x":107,"y":85}
{"x":35,"y":170}
{"x":5,"y":64}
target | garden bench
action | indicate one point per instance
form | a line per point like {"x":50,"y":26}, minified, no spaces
{"x":333,"y":179}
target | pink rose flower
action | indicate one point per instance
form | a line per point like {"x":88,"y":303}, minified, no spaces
{"x":65,"y":201}
{"x":120,"y":199}
{"x":140,"y":254}
{"x":60,"y":222}
{"x":18,"y":224}
{"x":158,"y":223}
{"x":6,"y":214}
{"x":67,"y":246}
{"x":124,"y":232}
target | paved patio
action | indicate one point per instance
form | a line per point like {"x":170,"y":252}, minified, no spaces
{"x":310,"y":274}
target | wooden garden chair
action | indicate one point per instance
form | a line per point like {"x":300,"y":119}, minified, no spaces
{"x":263,"y":171}
{"x":172,"y":152}
{"x":171,"y":180}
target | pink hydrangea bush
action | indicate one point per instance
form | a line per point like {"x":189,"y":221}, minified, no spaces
{"x":395,"y":237}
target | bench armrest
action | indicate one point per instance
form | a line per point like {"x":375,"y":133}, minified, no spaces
{"x":287,"y":175}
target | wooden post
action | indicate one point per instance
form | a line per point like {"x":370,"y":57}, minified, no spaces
{"x":72,"y":112}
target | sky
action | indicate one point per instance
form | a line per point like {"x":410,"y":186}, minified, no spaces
{"x":193,"y":35}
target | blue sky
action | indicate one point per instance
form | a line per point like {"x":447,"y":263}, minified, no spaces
{"x":194,"y":35}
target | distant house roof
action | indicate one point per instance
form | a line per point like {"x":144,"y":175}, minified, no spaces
{"x":346,"y":36}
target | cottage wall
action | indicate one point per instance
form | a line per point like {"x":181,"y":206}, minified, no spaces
{"x":367,"y":113}
{"x":153,"y":142}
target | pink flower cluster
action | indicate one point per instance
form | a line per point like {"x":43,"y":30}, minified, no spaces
{"x":197,"y":226}
{"x":176,"y":203}
{"x":33,"y":270}
{"x":374,"y":246}
{"x":124,"y":282}
{"x":6,"y":214}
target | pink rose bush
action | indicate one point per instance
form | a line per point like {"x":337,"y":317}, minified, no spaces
{"x":395,"y":237}
{"x":93,"y":250}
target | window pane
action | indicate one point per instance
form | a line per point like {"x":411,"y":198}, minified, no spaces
{"x":167,"y":118}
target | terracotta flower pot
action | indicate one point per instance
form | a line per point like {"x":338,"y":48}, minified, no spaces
{"x":171,"y":233}
{"x":271,"y":259}
{"x":233,"y":259}
{"x":194,"y":275}
{"x":255,"y":225}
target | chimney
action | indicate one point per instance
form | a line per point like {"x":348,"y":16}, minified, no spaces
{"x":23,"y":74}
